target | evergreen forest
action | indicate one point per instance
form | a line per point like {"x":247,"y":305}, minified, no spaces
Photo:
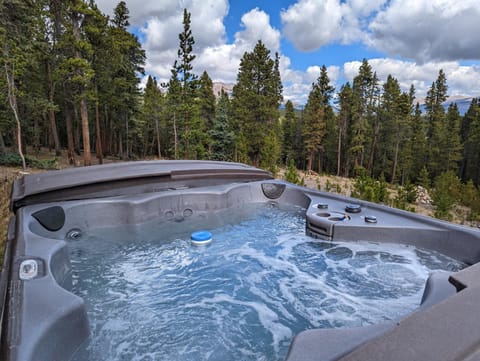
{"x":70,"y":76}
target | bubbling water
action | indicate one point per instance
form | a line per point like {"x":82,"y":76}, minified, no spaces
{"x":243,"y":297}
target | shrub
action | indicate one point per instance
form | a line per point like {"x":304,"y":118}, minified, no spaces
{"x":405,"y":195}
{"x":14,"y":160}
{"x":470,"y":197}
{"x":328,"y":185}
{"x":424,"y":178}
{"x":445,"y":194}
{"x":370,"y":189}
{"x":291,"y":175}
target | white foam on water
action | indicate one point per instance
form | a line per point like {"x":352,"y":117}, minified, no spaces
{"x":243,"y":297}
{"x":267,"y":317}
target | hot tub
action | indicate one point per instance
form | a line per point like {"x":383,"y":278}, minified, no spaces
{"x":43,"y":318}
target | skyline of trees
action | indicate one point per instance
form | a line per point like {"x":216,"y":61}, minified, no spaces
{"x":74,"y":84}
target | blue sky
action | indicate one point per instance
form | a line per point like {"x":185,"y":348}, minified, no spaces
{"x":330,"y":54}
{"x":410,"y":39}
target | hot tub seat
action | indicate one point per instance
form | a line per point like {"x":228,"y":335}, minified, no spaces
{"x":332,"y":344}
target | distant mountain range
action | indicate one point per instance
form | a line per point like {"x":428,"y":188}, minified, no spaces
{"x":463,"y":103}
{"x":227,"y":88}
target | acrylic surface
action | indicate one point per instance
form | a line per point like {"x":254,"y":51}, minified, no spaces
{"x":151,"y":295}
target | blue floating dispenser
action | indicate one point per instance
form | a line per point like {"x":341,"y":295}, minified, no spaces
{"x":201,"y":238}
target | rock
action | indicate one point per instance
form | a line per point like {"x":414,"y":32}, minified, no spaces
{"x":422,"y":196}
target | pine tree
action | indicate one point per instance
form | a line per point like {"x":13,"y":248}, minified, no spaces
{"x":319,"y":128}
{"x":121,"y":16}
{"x":206,"y":103}
{"x":363,"y":126}
{"x":413,"y":145}
{"x":328,"y":161}
{"x":82,"y":71}
{"x":48,"y":56}
{"x":470,"y":136}
{"x":221,"y":133}
{"x":394,"y":112}
{"x":402,"y":131}
{"x":344,"y":119}
{"x":289,"y":131}
{"x":185,"y":55}
{"x":436,"y":123}
{"x":77,"y":65}
{"x":207,"y":100}
{"x":436,"y":95}
{"x":314,"y":124}
{"x":326,"y":89}
{"x":452,"y":145}
{"x":58,"y":47}
{"x":174,"y":95}
{"x":418,"y":143}
{"x":271,"y":150}
{"x":127,"y":59}
{"x":150,"y":128}
{"x":17,"y":29}
{"x":191,"y":135}
{"x":95,"y":26}
{"x":256,"y":99}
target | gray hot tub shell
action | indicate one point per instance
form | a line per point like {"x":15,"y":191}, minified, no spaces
{"x":43,"y":320}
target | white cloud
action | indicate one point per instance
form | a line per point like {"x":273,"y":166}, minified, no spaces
{"x":256,"y":24}
{"x":221,"y":63}
{"x":365,"y":7}
{"x":139,"y":10}
{"x":296,"y":85}
{"x":310,"y":24}
{"x":312,"y":73}
{"x":161,"y":35}
{"x":427,"y":30}
{"x":423,"y":30}
{"x":203,"y":12}
{"x":333,"y":72}
{"x":461,"y":80}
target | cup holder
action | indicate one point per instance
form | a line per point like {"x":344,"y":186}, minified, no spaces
{"x":331,"y":216}
{"x":337,"y":218}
